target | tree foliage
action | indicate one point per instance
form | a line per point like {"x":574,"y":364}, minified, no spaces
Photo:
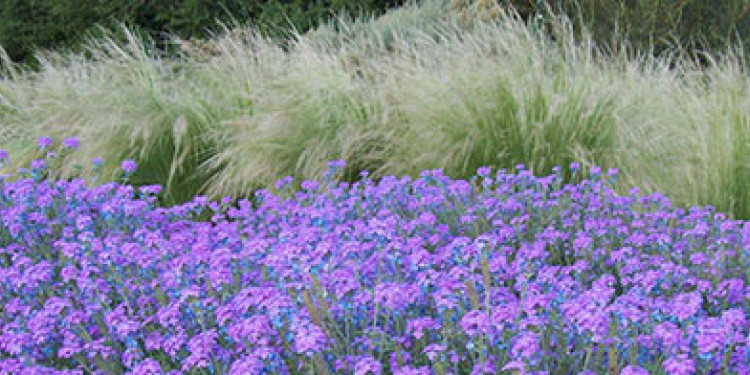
{"x":699,"y":28}
{"x":28,"y":25}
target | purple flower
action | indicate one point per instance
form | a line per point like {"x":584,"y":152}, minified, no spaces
{"x":37,"y":164}
{"x":668,"y":333}
{"x":200,"y":200}
{"x":679,"y":365}
{"x":686,"y":305}
{"x":128,"y":165}
{"x":280,"y":184}
{"x":201,"y":348}
{"x":711,"y":335}
{"x":367,"y":365}
{"x":309,"y":339}
{"x":173,"y":344}
{"x":44,"y":142}
{"x":364,"y":253}
{"x":405,"y":356}
{"x":247,"y":365}
{"x":150,"y":189}
{"x":408,"y":370}
{"x":131,"y":356}
{"x":484,"y":367}
{"x":515,"y":365}
{"x":120,"y":322}
{"x":342,"y":281}
{"x":433,"y":350}
{"x":83,"y":222}
{"x":310,"y":186}
{"x":633,"y":370}
{"x":255,"y":329}
{"x":148,"y":366}
{"x":98,"y":161}
{"x":396,"y":296}
{"x":735,"y":317}
{"x":337,"y":164}
{"x":484,"y":171}
{"x":418,"y":325}
{"x":68,"y":351}
{"x":71,"y":143}
{"x":12,"y":366}
{"x":4,"y":156}
{"x":153,"y":341}
{"x":476,"y":322}
{"x":526,"y":345}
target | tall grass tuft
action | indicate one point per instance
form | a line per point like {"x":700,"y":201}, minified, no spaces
{"x":500,"y":96}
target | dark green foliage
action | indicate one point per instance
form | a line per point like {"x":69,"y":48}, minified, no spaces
{"x":697,"y":25}
{"x":707,"y":26}
{"x":28,"y":25}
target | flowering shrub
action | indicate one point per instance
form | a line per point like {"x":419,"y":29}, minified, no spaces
{"x":502,"y":274}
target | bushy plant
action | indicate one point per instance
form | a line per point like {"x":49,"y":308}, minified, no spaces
{"x":28,"y":26}
{"x":506,"y":273}
{"x":701,"y":29}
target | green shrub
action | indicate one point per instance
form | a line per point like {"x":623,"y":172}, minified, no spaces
{"x":704,"y":28}
{"x":26,"y":26}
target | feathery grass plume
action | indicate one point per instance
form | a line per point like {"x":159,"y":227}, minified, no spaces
{"x":500,"y":95}
{"x":124,"y":101}
{"x":10,"y":76}
{"x":295,"y":128}
{"x":719,"y":140}
{"x":323,"y":105}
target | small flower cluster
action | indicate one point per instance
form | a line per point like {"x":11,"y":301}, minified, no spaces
{"x":503,"y":274}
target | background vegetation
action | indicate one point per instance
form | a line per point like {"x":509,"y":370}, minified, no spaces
{"x":654,"y":26}
{"x":698,"y":25}
{"x":439,"y":84}
{"x":27,"y":25}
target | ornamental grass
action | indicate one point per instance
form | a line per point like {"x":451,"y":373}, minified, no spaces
{"x":417,"y":89}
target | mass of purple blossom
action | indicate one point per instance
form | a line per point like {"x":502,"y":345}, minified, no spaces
{"x":503,"y":274}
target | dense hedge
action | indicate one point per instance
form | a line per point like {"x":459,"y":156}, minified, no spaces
{"x":26,"y":25}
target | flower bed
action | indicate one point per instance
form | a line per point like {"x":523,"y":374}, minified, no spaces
{"x":504,"y":274}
